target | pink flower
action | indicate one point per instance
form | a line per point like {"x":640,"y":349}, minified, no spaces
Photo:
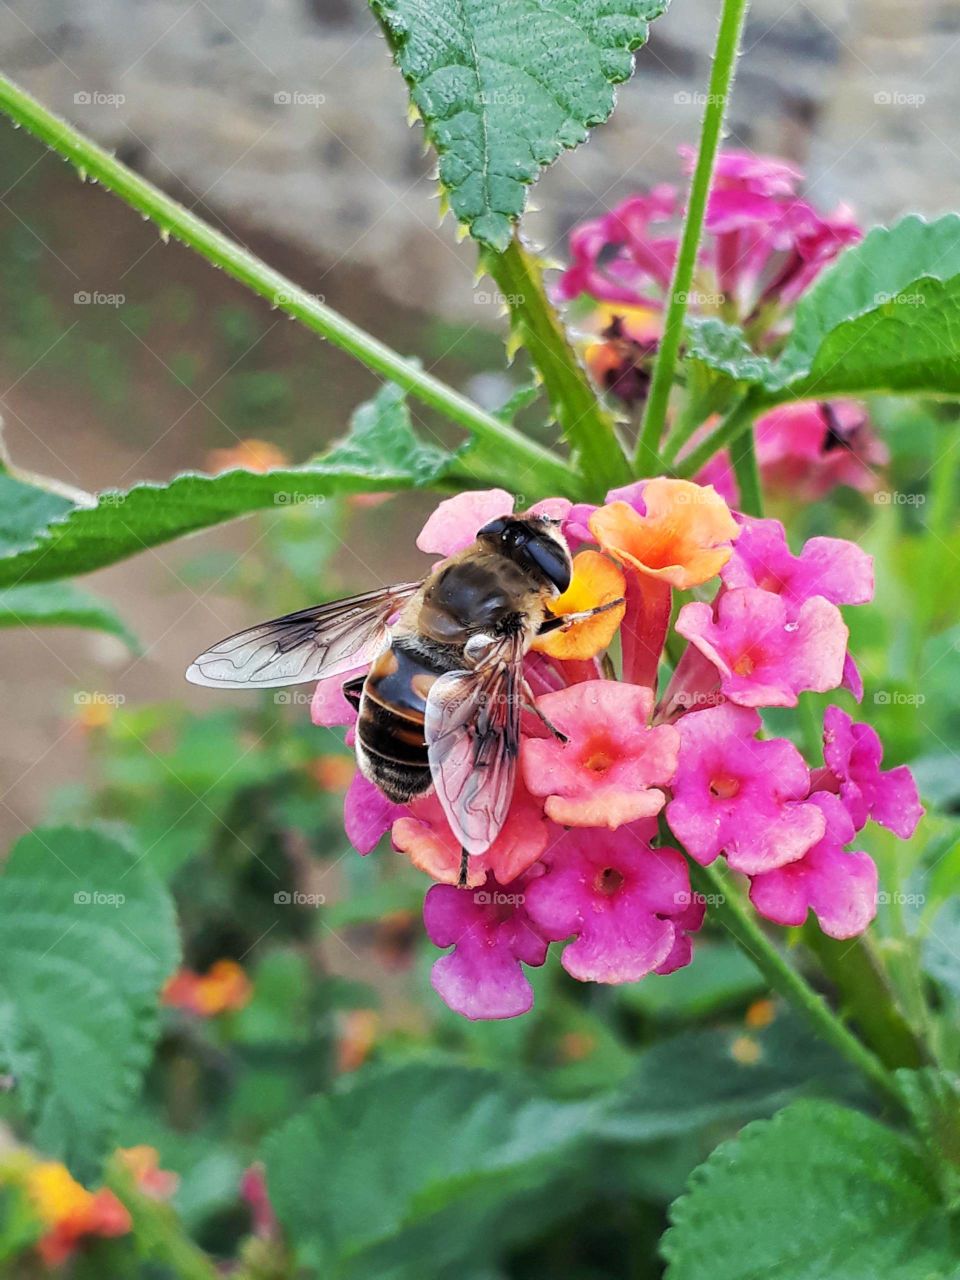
{"x":423,"y":834}
{"x":328,"y":706}
{"x":367,"y":814}
{"x":806,"y":449}
{"x":766,"y":657}
{"x":830,"y":567}
{"x":493,"y":938}
{"x":607,"y":773}
{"x":456,"y":520}
{"x":853,"y":754}
{"x":628,"y":905}
{"x":840,"y":888}
{"x":737,"y":795}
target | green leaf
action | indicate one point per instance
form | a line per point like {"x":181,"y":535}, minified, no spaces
{"x":25,"y":509}
{"x":87,"y":937}
{"x":417,"y":1161}
{"x":382,"y":452}
{"x":817,"y":1192}
{"x":60,"y":604}
{"x":884,"y":318}
{"x":504,"y":88}
{"x":722,"y":977}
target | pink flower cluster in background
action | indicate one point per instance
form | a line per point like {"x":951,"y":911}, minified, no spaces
{"x":584,"y":860}
{"x":763,"y":246}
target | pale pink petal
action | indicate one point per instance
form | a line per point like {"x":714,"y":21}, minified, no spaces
{"x":456,"y":521}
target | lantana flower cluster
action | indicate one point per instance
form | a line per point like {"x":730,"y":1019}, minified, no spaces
{"x":763,"y":246}
{"x":591,"y":858}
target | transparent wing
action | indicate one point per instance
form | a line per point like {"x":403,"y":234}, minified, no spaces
{"x":472,"y":729}
{"x":326,"y":640}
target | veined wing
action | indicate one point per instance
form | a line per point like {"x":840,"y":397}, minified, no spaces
{"x":472,"y":729}
{"x":312,"y":644}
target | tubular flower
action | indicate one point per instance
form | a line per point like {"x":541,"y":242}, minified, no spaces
{"x":839,"y":888}
{"x":609,"y":771}
{"x":766,"y":658}
{"x":736,"y":795}
{"x":223,"y":988}
{"x":578,"y":862}
{"x":628,"y":905}
{"x":492,"y":938}
{"x":853,"y":754}
{"x":70,"y":1213}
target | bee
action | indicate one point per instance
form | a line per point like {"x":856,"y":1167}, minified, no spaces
{"x":440,"y":700}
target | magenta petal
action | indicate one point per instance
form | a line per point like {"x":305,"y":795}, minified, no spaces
{"x":830,"y":567}
{"x":623,"y":902}
{"x":328,"y":706}
{"x":853,"y":753}
{"x":852,"y":679}
{"x":736,"y":795}
{"x":765,"y":657}
{"x":491,"y":934}
{"x":367,"y":814}
{"x":456,"y":520}
{"x":840,"y":888}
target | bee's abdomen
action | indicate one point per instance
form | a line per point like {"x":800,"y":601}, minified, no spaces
{"x":391,"y":748}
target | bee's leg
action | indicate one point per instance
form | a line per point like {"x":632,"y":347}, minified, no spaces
{"x":464,"y":859}
{"x":563,"y":621}
{"x":531,"y":705}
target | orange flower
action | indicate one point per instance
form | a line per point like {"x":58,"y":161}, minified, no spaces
{"x":596,"y":580}
{"x":333,"y":772}
{"x":70,"y":1212}
{"x":143,"y":1163}
{"x":358,"y":1034}
{"x":681,"y":538}
{"x":250,"y":455}
{"x":223,"y":987}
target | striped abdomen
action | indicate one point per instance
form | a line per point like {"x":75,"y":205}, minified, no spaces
{"x":391,"y":749}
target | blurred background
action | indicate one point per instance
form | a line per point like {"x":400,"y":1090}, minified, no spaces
{"x":249,"y":111}
{"x":126,"y":359}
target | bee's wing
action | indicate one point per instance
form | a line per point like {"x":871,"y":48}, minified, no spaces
{"x":326,"y":640}
{"x":472,"y":730}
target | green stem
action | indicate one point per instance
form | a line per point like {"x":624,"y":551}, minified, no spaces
{"x":588,"y":428}
{"x":855,"y":971}
{"x":721,"y":78}
{"x":736,"y":422}
{"x":745,"y":468}
{"x":726,"y":906}
{"x":499,"y":448}
{"x":159,"y":1239}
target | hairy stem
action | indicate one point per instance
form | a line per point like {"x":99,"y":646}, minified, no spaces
{"x":744,"y":458}
{"x":721,"y":78}
{"x":725,"y":905}
{"x":499,"y":448}
{"x":867,"y":996}
{"x":588,"y":428}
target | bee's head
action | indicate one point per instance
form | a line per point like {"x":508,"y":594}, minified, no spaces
{"x":533,"y":542}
